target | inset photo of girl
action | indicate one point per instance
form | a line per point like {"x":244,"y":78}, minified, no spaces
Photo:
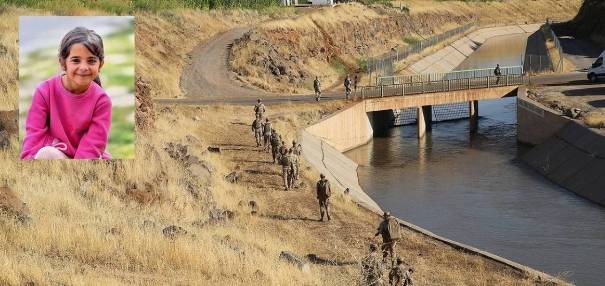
{"x":76,"y":87}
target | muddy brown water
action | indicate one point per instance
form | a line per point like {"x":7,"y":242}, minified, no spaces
{"x":475,"y":190}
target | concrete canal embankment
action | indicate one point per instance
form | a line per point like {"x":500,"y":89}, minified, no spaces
{"x":351,"y":127}
{"x":566,"y":151}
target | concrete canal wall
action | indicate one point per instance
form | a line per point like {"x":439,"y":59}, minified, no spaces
{"x":567,"y":152}
{"x":342,"y":130}
{"x":451,"y":56}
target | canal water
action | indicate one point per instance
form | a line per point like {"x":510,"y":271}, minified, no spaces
{"x":475,"y":190}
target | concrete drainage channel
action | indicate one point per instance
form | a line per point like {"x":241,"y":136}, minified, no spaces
{"x":329,"y":160}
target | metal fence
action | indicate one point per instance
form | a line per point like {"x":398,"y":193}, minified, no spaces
{"x":557,"y":63}
{"x":538,"y":64}
{"x":440,"y":86}
{"x":441,"y":112}
{"x":463,"y":74}
{"x":384,"y":64}
{"x":549,"y":62}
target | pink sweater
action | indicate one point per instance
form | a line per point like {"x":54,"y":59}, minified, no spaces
{"x":78,"y":125}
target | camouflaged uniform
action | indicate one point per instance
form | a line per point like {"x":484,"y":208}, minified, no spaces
{"x":388,"y":243}
{"x":282,"y":150}
{"x":257,"y":128}
{"x":285,"y":162}
{"x":275,"y":142}
{"x":267,"y":131}
{"x":293,"y":168}
{"x":401,"y":275}
{"x":371,"y":268}
{"x":259,"y":108}
{"x":324,"y":191}
{"x":297,"y":151}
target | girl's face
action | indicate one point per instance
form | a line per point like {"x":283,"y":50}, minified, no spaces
{"x":81,"y":67}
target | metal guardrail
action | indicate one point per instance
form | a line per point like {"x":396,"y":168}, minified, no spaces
{"x":384,"y":64}
{"x":441,"y":86}
{"x":463,"y":74}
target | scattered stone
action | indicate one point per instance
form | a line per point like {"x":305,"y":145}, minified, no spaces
{"x":576,"y":113}
{"x":233,"y":177}
{"x":173,"y":231}
{"x":11,"y":205}
{"x":233,"y":244}
{"x":192,"y":140}
{"x":347,"y":191}
{"x":260,"y":275}
{"x":220,"y":216}
{"x":114,"y":231}
{"x":8,"y":127}
{"x":314,"y":258}
{"x":148,"y":223}
{"x":176,"y":151}
{"x":253,"y":207}
{"x":4,"y":139}
{"x":214,"y":149}
{"x":201,"y":169}
{"x":145,"y":197}
{"x":295,"y":260}
{"x":144,"y":115}
{"x":166,"y":110}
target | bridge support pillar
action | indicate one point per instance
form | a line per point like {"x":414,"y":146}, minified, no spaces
{"x":381,"y":121}
{"x":473,"y":108}
{"x":424,"y":119}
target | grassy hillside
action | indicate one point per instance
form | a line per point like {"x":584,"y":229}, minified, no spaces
{"x":109,"y":222}
{"x":590,"y":23}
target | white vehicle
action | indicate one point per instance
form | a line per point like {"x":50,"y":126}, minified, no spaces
{"x":597,"y":69}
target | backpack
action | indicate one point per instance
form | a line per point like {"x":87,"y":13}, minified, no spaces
{"x":285,"y":160}
{"x":323,"y":187}
{"x":394,"y":229}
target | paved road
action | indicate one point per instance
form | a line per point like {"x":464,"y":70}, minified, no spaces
{"x":582,"y":53}
{"x":207,"y":79}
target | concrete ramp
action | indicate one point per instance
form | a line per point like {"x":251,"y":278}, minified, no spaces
{"x":339,"y":170}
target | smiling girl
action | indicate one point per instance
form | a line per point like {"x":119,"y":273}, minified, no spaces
{"x":70,"y":115}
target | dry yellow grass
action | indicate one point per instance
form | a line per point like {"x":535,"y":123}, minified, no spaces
{"x":86,"y":230}
{"x":595,"y":119}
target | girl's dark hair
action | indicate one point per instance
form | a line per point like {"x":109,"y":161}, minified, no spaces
{"x":80,"y":35}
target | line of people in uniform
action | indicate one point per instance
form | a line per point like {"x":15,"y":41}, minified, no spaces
{"x":400,"y":273}
{"x":267,"y":137}
{"x":347,"y":85}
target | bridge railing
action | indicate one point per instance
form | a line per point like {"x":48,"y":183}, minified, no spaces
{"x":443,"y":85}
{"x":463,"y":74}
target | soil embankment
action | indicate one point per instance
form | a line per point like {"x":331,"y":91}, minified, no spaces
{"x":589,"y":22}
{"x":286,"y":55}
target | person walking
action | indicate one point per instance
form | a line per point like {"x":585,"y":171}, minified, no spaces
{"x":390,"y":231}
{"x":275,"y":142}
{"x":401,"y":274}
{"x":371,"y":268}
{"x":259,"y":108}
{"x":286,"y":163}
{"x":257,"y":128}
{"x":317,"y":88}
{"x":347,"y":85}
{"x":497,"y":73}
{"x":267,"y":131}
{"x":324,"y":192}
